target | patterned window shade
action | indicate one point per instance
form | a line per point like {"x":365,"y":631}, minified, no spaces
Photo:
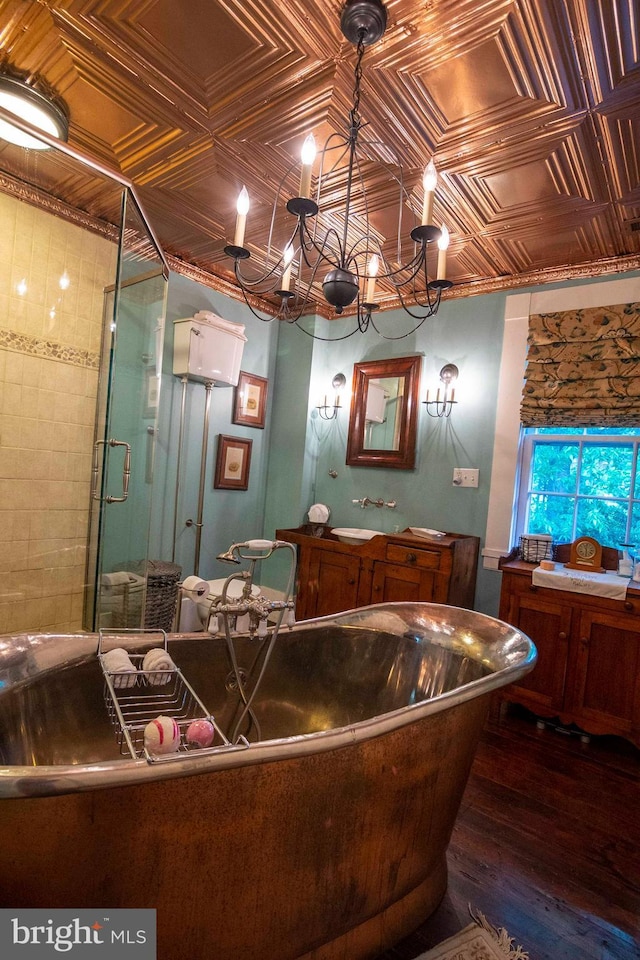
{"x":583,"y":368}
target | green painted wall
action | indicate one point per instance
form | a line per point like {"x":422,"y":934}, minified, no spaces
{"x":294,"y":454}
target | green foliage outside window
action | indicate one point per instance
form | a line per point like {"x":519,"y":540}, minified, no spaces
{"x":585,"y":482}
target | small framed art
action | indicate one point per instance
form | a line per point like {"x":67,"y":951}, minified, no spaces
{"x":250,"y":400}
{"x":233,"y":460}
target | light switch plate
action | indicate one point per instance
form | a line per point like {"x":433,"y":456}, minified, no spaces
{"x":465,"y":476}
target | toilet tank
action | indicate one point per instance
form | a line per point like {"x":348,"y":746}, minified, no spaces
{"x":208,"y":347}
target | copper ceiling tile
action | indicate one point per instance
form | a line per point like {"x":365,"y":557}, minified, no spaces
{"x":531,"y":109}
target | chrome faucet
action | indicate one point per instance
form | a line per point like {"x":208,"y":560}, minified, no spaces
{"x":366,"y":501}
{"x":258,"y":608}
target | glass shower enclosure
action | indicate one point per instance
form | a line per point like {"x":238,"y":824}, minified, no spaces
{"x":123,"y":461}
{"x":83,"y":284}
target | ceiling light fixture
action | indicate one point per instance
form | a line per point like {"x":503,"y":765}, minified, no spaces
{"x":336,"y":243}
{"x":34,"y":107}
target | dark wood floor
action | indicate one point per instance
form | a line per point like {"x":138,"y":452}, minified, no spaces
{"x":547,"y":845}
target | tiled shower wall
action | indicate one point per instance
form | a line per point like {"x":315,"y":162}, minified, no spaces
{"x":50,"y":339}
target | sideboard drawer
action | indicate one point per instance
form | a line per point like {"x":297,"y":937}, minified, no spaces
{"x":428,"y":559}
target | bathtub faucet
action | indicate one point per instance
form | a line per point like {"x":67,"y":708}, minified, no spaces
{"x":258,"y":608}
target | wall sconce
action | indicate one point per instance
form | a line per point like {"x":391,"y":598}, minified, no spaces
{"x":329,"y":411}
{"x":442,"y":405}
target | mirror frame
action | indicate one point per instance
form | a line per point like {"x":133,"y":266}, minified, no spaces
{"x":404,"y":457}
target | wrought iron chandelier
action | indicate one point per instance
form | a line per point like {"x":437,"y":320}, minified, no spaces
{"x":342,"y":248}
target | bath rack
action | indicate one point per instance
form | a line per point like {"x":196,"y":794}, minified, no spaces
{"x":135,"y":699}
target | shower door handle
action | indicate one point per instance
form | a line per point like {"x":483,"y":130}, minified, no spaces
{"x":126,"y":471}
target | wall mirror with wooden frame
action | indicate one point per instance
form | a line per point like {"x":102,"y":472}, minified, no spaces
{"x":384,"y":413}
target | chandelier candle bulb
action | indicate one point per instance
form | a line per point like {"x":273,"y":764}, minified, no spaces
{"x":443,"y":244}
{"x":374,"y":264}
{"x":287,"y":259}
{"x":429,"y":181}
{"x":242,"y":207}
{"x":308,"y":155}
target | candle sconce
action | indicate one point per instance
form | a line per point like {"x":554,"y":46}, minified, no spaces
{"x":444,"y":400}
{"x":329,"y":411}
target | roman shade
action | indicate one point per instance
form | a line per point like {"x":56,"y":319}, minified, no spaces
{"x":583,"y":368}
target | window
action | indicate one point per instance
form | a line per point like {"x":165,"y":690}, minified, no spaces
{"x":581,"y":481}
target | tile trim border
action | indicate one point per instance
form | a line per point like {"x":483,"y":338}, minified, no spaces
{"x":48,"y":349}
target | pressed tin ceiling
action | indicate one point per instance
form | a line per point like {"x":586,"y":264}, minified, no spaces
{"x":531,"y":109}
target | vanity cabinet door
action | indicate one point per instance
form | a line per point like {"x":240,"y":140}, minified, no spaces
{"x":395,"y":582}
{"x":332,"y":584}
{"x":606,"y":690}
{"x":548,"y":624}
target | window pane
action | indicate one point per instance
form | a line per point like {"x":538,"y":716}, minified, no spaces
{"x":554,"y":515}
{"x":554,"y":431}
{"x":554,"y":467}
{"x":606,"y":520}
{"x":606,"y":470}
{"x":612,"y":431}
{"x":634,"y":534}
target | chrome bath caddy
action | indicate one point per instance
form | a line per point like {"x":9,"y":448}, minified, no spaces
{"x":135,"y":699}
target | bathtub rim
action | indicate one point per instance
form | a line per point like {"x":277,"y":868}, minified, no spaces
{"x":50,"y":780}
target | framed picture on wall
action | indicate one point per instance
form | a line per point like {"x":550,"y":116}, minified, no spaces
{"x":250,"y":402}
{"x":233,"y":460}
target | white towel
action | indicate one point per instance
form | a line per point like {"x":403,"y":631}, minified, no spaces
{"x":118,"y":664}
{"x":319,"y":513}
{"x":581,"y":581}
{"x":119,"y":578}
{"x":158,"y":665}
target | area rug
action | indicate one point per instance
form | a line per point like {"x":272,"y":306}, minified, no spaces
{"x":479,"y":941}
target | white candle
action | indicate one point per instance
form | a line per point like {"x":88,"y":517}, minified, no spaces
{"x":287,"y":257}
{"x":308,"y":155}
{"x":242,"y":207}
{"x":443,"y":244}
{"x":429,"y":180}
{"x":374,"y":264}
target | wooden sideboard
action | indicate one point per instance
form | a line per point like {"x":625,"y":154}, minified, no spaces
{"x":588,"y":669}
{"x":334,"y":576}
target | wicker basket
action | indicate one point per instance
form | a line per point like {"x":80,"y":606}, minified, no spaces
{"x":534,"y":549}
{"x":162,"y":593}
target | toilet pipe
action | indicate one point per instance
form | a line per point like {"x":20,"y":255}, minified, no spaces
{"x":203,"y":468}
{"x":178,"y":468}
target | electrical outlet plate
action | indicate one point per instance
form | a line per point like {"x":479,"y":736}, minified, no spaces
{"x":465,"y":476}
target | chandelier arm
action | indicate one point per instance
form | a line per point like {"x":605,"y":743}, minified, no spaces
{"x":321,"y":248}
{"x":322,"y":174}
{"x":431,"y":307}
{"x":413,"y":266}
{"x":402,"y":336}
{"x":315,"y":336}
{"x":253,"y":311}
{"x":274,"y":208}
{"x":245,"y":283}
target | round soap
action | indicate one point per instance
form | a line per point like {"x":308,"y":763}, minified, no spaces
{"x":200,"y":733}
{"x":162,"y":735}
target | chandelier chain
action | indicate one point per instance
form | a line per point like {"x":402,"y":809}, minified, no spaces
{"x":355,"y":110}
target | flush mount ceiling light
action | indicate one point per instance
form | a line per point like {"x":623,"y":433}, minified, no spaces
{"x":333,"y":243}
{"x":31,"y":105}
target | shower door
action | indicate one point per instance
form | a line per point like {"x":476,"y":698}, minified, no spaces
{"x":126,"y":431}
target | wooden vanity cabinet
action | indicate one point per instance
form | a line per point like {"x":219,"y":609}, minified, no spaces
{"x":334,"y":576}
{"x":588,"y":669}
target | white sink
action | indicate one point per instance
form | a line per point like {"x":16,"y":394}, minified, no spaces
{"x":355,"y":535}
